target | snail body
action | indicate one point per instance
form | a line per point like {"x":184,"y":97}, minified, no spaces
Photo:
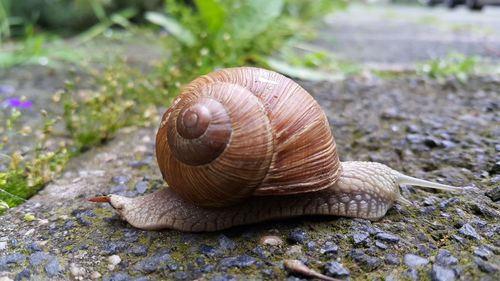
{"x":244,"y":145}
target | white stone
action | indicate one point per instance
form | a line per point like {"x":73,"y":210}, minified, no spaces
{"x":5,"y":278}
{"x":294,"y":250}
{"x":3,"y":246}
{"x":76,"y":270}
{"x":271,"y":240}
{"x":95,"y":275}
{"x":114,"y":259}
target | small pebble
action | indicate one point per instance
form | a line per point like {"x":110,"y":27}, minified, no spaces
{"x":81,"y":216}
{"x":311,"y":245}
{"x":95,"y":275}
{"x":294,"y":250}
{"x":446,"y":203}
{"x":336,"y":269}
{"x":445,"y":258}
{"x":114,"y":247}
{"x":207,"y":250}
{"x":298,"y":236}
{"x":34,"y":247}
{"x":485,"y":266}
{"x":76,"y":271}
{"x":114,"y":259}
{"x":329,"y":248}
{"x":3,"y":246}
{"x":38,"y":258}
{"x":381,"y":245}
{"x":225,"y":243}
{"x":5,"y":261}
{"x":412,"y":274}
{"x":387,"y":237}
{"x":392,"y":259}
{"x":120,"y":179}
{"x":368,"y":262}
{"x":494,"y":194}
{"x":359,"y":237}
{"x":459,"y":239}
{"x":52,"y":268}
{"x":138,"y":250}
{"x":161,"y":259}
{"x":238,"y":261}
{"x":141,"y":187}
{"x":414,"y":260}
{"x":440,"y":273}
{"x":260,"y":252}
{"x":24,"y":274}
{"x":469,"y":231}
{"x":271,"y":240}
{"x":482,"y":252}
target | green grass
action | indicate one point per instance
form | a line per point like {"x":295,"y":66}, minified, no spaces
{"x":453,"y":65}
{"x":124,"y":97}
{"x":28,"y":173}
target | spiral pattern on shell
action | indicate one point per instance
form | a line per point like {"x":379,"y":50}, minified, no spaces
{"x":243,"y":132}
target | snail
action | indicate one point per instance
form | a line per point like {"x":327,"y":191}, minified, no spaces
{"x":245,"y":145}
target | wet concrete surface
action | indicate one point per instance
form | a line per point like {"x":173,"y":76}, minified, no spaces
{"x":404,"y":35}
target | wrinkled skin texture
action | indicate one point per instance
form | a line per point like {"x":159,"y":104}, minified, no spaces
{"x":365,"y":190}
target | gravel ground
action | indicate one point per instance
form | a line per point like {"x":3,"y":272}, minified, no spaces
{"x":444,"y":132}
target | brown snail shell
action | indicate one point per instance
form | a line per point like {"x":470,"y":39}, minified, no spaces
{"x":240,"y":133}
{"x":243,"y":132}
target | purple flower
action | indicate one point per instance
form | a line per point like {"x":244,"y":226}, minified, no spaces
{"x":6,"y":89}
{"x":18,"y":103}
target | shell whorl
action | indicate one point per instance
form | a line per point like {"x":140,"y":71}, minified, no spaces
{"x":245,"y":131}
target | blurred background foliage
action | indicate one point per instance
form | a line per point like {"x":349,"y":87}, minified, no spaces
{"x":65,"y":17}
{"x":68,"y":17}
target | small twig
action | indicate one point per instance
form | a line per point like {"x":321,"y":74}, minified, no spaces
{"x":297,"y":267}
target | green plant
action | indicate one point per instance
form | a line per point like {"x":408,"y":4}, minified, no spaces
{"x":26,"y":173}
{"x":216,"y":34}
{"x":42,"y":48}
{"x":4,"y":20}
{"x":453,"y":65}
{"x":124,"y":97}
